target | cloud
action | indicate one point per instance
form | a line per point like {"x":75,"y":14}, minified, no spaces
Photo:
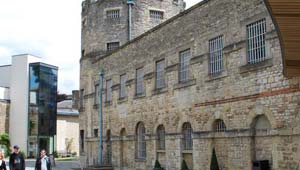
{"x":49,"y":29}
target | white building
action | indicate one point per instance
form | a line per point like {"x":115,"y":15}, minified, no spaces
{"x":15,"y":86}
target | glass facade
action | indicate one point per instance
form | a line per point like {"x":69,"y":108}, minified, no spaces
{"x":42,"y":108}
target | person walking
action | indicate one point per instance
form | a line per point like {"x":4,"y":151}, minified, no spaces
{"x":16,"y":160}
{"x":2,"y":162}
{"x":43,"y":162}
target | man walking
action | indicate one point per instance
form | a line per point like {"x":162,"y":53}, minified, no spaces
{"x":43,"y":162}
{"x":16,"y":160}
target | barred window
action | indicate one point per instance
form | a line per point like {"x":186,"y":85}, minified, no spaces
{"x":141,"y":142}
{"x":157,"y":15}
{"x":216,"y":55}
{"x":112,"y":46}
{"x":81,"y":97}
{"x":160,"y":74}
{"x":140,"y":81}
{"x":113,"y":14}
{"x":108,"y":90}
{"x":219,"y":126}
{"x":185,"y":57}
{"x":187,"y":140}
{"x":123,"y":79}
{"x":161,"y":144}
{"x":97,"y":94}
{"x":256,"y":33}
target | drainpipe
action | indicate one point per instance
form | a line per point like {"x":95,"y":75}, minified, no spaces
{"x":101,"y":76}
{"x":130,"y":3}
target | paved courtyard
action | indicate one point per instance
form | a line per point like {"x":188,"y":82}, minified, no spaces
{"x":60,"y":165}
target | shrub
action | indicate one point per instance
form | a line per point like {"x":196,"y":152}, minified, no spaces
{"x":214,"y":161}
{"x":184,"y":165}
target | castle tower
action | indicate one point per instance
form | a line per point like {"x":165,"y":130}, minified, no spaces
{"x":108,"y":24}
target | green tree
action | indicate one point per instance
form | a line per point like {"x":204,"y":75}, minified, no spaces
{"x":184,"y":165}
{"x":157,"y":166}
{"x":4,"y":141}
{"x":214,"y":161}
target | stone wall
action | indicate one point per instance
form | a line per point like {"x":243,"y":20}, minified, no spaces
{"x":239,"y":95}
{"x":4,"y":115}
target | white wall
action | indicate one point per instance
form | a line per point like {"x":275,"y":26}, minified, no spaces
{"x":5,"y":76}
{"x":4,"y":93}
{"x":18,"y":121}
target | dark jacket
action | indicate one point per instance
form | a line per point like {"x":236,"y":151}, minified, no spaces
{"x":3,"y":165}
{"x":16,"y":162}
{"x":38,"y":163}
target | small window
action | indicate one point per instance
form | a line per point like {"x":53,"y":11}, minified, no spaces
{"x":140,"y":81}
{"x":220,"y":126}
{"x":256,"y":35}
{"x":123,"y":79}
{"x":108,"y":90}
{"x":185,"y":57}
{"x":187,"y":140}
{"x":113,"y":14}
{"x":160,"y":74}
{"x":161,"y":143}
{"x":82,"y":140}
{"x":112,"y":46}
{"x":157,"y":15}
{"x":216,"y":55}
{"x":96,"y":133}
{"x":97,"y":94}
{"x":81,"y":97}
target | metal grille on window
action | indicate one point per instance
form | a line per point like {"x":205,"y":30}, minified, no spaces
{"x":123,"y":79}
{"x":256,"y":33}
{"x":140,"y":81}
{"x":113,"y":14}
{"x":161,"y":137}
{"x":108,"y":90}
{"x":220,"y":126}
{"x":216,"y":55}
{"x":112,"y":46}
{"x":141,"y":142}
{"x":160,"y":74}
{"x":185,"y":58}
{"x":97,"y":94}
{"x":187,"y":136}
{"x":157,"y":15}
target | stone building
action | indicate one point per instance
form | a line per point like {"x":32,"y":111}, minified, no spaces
{"x":4,"y":110}
{"x":209,"y":78}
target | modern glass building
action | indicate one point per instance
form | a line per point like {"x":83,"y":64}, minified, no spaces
{"x":42,"y":108}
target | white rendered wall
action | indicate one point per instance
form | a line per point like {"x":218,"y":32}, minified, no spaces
{"x":4,"y":93}
{"x":5,"y":76}
{"x":18,"y":121}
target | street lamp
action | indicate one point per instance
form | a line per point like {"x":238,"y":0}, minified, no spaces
{"x":101,"y":77}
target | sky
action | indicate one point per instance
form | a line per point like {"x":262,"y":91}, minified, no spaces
{"x":49,"y":29}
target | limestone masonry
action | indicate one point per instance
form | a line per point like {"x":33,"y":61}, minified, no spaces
{"x":208,"y":78}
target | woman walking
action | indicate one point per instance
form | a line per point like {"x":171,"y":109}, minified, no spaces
{"x":2,"y":162}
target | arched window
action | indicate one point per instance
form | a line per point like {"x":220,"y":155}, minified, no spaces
{"x":161,"y":144}
{"x":123,"y":148}
{"x":109,"y":147}
{"x":219,"y":126}
{"x":140,"y":141}
{"x":187,"y":140}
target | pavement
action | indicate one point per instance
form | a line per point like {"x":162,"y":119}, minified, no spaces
{"x":60,"y":165}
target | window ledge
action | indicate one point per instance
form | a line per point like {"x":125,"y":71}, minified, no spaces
{"x":161,"y":151}
{"x":140,"y":160}
{"x":108,"y":103}
{"x":187,"y":151}
{"x":159,"y":91}
{"x":185,"y":84}
{"x":254,"y":67}
{"x":139,"y":96}
{"x":122,"y":100}
{"x":213,"y":77}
